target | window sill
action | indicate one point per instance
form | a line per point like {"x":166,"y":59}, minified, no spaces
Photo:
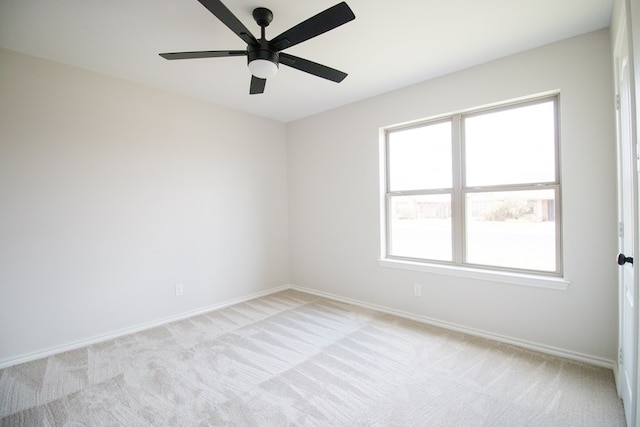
{"x":548,"y":282}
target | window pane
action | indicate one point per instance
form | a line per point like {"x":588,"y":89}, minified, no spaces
{"x":421,"y":227}
{"x":513,"y":229}
{"x":514,"y":146}
{"x":420,"y":158}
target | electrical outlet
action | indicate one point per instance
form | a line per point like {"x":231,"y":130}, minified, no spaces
{"x":179,"y":289}
{"x":417,"y":290}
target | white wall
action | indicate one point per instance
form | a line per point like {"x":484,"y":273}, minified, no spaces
{"x":111,"y":193}
{"x":334,"y":202}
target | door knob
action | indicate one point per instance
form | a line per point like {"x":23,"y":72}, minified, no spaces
{"x":622,"y":259}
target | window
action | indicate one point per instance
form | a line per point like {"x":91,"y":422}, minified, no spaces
{"x":478,"y":189}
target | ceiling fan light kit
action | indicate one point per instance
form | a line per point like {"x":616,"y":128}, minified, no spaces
{"x":263,"y":68}
{"x":264,"y":56}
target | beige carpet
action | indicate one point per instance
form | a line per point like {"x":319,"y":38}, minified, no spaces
{"x":292,"y":359}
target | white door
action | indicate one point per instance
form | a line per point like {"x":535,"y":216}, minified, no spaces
{"x":628,"y":293}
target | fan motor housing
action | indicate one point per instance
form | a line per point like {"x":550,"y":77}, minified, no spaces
{"x":262,"y":52}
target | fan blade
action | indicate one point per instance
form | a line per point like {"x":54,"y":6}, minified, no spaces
{"x":204,"y":54}
{"x":312,"y":68}
{"x":257,"y":85}
{"x":229,"y":19}
{"x":314,"y":26}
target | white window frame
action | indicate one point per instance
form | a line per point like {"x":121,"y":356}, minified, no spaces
{"x":459,"y":267}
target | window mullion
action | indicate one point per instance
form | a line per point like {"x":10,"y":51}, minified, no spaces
{"x":457,"y":196}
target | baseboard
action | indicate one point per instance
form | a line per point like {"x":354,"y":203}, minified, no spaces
{"x":137,"y":328}
{"x":555,"y":351}
{"x":616,"y":378}
{"x":606,"y":363}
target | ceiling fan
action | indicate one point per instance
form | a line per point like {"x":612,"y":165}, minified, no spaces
{"x":264,"y":56}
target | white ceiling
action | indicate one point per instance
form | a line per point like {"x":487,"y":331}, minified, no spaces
{"x":389,"y":45}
